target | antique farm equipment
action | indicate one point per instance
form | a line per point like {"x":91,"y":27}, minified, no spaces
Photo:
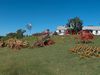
{"x":16,"y":44}
{"x":43,"y":40}
{"x":86,"y":51}
{"x":84,"y":36}
{"x":2,"y":43}
{"x":11,"y":43}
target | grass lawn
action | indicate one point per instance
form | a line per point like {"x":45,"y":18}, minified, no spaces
{"x":51,"y":60}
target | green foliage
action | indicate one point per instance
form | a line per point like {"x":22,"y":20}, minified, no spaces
{"x":1,"y":37}
{"x":11,"y":35}
{"x":75,"y":24}
{"x":18,"y":34}
{"x":55,"y":33}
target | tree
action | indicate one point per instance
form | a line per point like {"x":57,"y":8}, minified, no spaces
{"x":20,"y":33}
{"x":55,"y":33}
{"x":75,"y":24}
{"x":11,"y":35}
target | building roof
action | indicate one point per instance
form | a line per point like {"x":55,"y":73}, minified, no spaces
{"x":84,"y":28}
{"x":91,"y":28}
{"x":61,"y":28}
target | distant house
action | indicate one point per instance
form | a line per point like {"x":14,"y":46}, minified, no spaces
{"x":94,"y":29}
{"x":61,"y":30}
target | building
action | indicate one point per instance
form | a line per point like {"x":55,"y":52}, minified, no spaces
{"x":94,"y":29}
{"x":61,"y":30}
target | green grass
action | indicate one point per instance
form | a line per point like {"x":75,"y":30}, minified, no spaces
{"x":51,"y":60}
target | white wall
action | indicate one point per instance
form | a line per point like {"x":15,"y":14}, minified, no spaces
{"x":98,"y":32}
{"x":94,"y":32}
{"x":60,"y":33}
{"x":57,"y":31}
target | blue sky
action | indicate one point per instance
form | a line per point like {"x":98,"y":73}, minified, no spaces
{"x":43,"y":14}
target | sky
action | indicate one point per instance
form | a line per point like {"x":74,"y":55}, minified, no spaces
{"x":46,"y":14}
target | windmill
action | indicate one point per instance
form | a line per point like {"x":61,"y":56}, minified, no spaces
{"x":29,"y":27}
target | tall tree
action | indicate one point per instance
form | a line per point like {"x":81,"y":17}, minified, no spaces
{"x":20,"y":33}
{"x":75,"y":24}
{"x":11,"y":35}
